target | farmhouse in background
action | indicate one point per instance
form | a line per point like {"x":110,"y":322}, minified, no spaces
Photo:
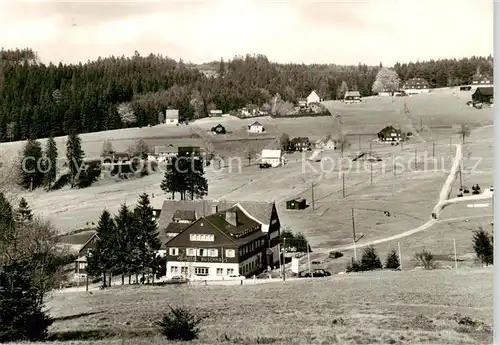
{"x":189,"y":151}
{"x":165,"y":152}
{"x":226,"y":238}
{"x":296,"y":204}
{"x":81,"y":261}
{"x":479,"y":80}
{"x":172,"y":116}
{"x":352,"y":97}
{"x":272,"y":157}
{"x":483,"y":95}
{"x":330,"y":144}
{"x":390,"y":134}
{"x":256,"y":127}
{"x":302,"y":102}
{"x":300,"y":144}
{"x":219,"y":129}
{"x":215,"y":113}
{"x":313,"y":98}
{"x":416,"y":85}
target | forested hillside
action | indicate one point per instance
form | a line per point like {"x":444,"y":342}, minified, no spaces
{"x":38,"y":100}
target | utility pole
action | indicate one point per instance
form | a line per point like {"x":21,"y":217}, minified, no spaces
{"x":343,"y":185}
{"x":284,"y":260}
{"x":400,"y":258}
{"x":312,"y":195}
{"x":308,"y":260}
{"x":415,"y":165}
{"x":433,"y":148}
{"x":371,"y":165}
{"x":460,"y":173}
{"x":455,"y":250}
{"x":353,"y":226}
{"x":421,"y":126}
{"x":393,"y":165}
{"x":31,"y":184}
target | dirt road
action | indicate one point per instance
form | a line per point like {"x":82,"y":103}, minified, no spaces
{"x":438,"y":208}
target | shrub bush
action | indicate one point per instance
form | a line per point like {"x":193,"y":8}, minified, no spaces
{"x":180,"y":324}
{"x":426,"y":259}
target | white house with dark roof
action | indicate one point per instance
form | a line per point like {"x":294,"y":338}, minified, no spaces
{"x":171,"y":220}
{"x":416,"y":86}
{"x":172,"y":116}
{"x":313,"y":98}
{"x":256,"y":127}
{"x":272,"y":157}
{"x":352,"y":97}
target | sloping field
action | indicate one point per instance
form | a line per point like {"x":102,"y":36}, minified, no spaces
{"x":376,"y":307}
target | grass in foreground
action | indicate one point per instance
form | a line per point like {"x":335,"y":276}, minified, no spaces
{"x":412,"y":307}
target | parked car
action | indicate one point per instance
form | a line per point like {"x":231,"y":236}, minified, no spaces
{"x":236,"y":277}
{"x":177,"y":280}
{"x":264,"y":165}
{"x":317,"y":274}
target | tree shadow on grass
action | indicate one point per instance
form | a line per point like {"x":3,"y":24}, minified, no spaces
{"x":76,"y":316}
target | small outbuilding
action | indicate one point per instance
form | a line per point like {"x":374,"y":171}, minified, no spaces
{"x":483,"y":95}
{"x":352,"y":97}
{"x":390,"y":134}
{"x":296,"y":204}
{"x":219,"y":129}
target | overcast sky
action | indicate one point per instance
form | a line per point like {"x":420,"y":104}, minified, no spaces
{"x":343,"y":32}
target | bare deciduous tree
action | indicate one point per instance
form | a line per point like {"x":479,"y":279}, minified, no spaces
{"x":250,"y":154}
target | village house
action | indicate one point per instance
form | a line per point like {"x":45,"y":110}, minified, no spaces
{"x":219,"y":129}
{"x":165,"y":152}
{"x":272,"y":157}
{"x":416,"y":86}
{"x":250,"y":110}
{"x":255,"y":127}
{"x":390,"y":134}
{"x":479,"y":80}
{"x":302,"y":102}
{"x":313,"y":98}
{"x":190,"y":237}
{"x":483,"y":95}
{"x":172,"y":116}
{"x":330,"y":144}
{"x":352,"y":97}
{"x":215,"y":113}
{"x":296,"y":204}
{"x":81,"y":261}
{"x":299,"y":144}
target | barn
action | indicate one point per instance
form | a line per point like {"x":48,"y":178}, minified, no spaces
{"x":296,"y":204}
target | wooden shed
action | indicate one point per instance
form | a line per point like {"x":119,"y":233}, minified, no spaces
{"x":296,"y":204}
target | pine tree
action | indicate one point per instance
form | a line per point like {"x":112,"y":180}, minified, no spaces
{"x":74,"y":155}
{"x":51,"y":162}
{"x":23,"y":213}
{"x":7,"y":224}
{"x":148,"y":232}
{"x":30,"y":167}
{"x":392,"y":261}
{"x":128,"y":243}
{"x":370,"y":260}
{"x":173,"y":181}
{"x":196,"y":184}
{"x":483,"y":246}
{"x":21,"y":313}
{"x":107,"y":148}
{"x":102,"y":259}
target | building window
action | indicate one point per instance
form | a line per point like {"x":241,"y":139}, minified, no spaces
{"x":230,"y":271}
{"x":82,"y":265}
{"x":190,"y":252}
{"x":213,"y":253}
{"x":184,"y":270}
{"x":230,"y":253}
{"x":174,"y":269}
{"x":202,"y":237}
{"x":220,"y":271}
{"x":201,"y":271}
{"x":173,"y":251}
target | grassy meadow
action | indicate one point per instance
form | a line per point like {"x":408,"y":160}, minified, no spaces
{"x":368,"y":308}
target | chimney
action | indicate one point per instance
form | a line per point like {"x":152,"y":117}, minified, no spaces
{"x":215,"y":209}
{"x":231,"y":218}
